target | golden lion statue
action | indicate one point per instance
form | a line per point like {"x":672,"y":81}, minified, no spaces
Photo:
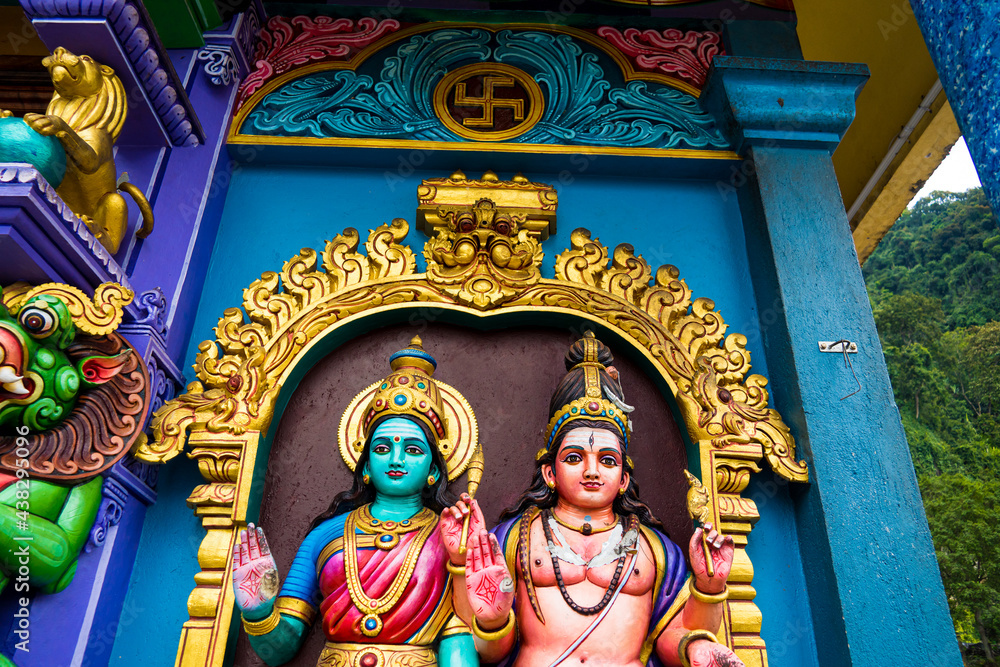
{"x":86,"y":115}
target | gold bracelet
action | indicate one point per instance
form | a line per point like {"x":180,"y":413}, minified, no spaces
{"x":258,"y":628}
{"x":495,"y":634}
{"x":706,"y":597}
{"x":455,"y":569}
{"x":690,"y":637}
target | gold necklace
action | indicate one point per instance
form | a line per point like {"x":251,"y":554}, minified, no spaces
{"x":586,"y":528}
{"x":387,"y":533}
{"x":373,"y":608}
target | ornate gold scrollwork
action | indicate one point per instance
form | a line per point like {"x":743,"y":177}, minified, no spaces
{"x":98,"y":316}
{"x":240,"y":374}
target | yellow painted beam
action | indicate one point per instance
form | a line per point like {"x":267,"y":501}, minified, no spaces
{"x":884,"y":35}
{"x":916,"y":162}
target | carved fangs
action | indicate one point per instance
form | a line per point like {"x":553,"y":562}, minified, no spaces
{"x":12,"y":382}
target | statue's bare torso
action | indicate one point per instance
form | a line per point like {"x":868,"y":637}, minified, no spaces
{"x":619,"y":637}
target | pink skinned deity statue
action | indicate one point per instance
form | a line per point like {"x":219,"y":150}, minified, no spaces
{"x":579,"y":566}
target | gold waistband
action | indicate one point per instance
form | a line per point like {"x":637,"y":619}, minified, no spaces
{"x":342,"y":654}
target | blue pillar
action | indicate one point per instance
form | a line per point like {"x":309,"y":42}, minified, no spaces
{"x":875,"y":592}
{"x":961,"y":36}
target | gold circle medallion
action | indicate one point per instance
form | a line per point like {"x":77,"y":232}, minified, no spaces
{"x":489,"y":101}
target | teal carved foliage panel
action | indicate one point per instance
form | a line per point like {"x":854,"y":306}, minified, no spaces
{"x":477,"y":84}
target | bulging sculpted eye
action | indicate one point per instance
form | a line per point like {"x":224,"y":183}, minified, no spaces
{"x":38,"y":322}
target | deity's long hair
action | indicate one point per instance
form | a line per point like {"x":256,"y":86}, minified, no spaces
{"x":435,"y":497}
{"x":570,"y":388}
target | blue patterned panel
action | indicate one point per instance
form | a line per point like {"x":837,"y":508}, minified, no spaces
{"x":586,"y":99}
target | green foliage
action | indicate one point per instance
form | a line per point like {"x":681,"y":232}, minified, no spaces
{"x":934,"y":284}
{"x":947,"y":247}
{"x":962,"y":513}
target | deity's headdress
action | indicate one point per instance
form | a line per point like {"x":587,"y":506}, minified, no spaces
{"x":411,"y":390}
{"x":588,"y":391}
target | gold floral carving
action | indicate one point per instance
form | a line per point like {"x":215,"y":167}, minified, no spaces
{"x":225,"y":413}
{"x":98,"y":316}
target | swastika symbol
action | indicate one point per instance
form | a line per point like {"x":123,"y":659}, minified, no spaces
{"x":489,"y":101}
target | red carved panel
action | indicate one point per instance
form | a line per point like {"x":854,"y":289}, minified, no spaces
{"x":288,"y":42}
{"x":685,"y":55}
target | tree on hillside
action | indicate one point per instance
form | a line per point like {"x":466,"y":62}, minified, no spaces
{"x":962,"y":514}
{"x":934,"y":284}
{"x":983,"y":354}
{"x":910,"y":326}
{"x":907,"y":318}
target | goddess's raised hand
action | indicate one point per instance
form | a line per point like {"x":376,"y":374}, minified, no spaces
{"x":487,"y":580}
{"x":255,"y":574}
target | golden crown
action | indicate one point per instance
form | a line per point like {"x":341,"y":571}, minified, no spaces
{"x":592,"y":405}
{"x":411,"y":390}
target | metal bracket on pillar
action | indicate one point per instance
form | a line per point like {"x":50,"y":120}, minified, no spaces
{"x":838,"y":346}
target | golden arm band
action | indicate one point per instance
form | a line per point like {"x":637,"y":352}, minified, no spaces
{"x":455,"y":569}
{"x":496,"y":634}
{"x":706,"y":597}
{"x":455,"y":626}
{"x":296,"y":608}
{"x":257,"y":628}
{"x":690,"y":637}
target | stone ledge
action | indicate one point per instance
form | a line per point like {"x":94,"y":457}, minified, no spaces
{"x":42,"y":240}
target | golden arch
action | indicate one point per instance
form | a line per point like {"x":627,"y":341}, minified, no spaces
{"x":291,"y":316}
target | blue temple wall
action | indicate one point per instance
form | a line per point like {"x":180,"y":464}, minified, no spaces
{"x":272,"y":212}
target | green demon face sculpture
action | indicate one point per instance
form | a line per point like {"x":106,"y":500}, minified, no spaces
{"x":39,"y":385}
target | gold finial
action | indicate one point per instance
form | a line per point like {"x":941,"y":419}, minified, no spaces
{"x":519,"y":178}
{"x":459,"y":175}
{"x":415,"y":342}
{"x":700,"y":510}
{"x":490,"y":177}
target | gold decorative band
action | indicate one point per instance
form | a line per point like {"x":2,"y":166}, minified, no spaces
{"x":296,"y":608}
{"x":455,"y":626}
{"x":262,"y":627}
{"x":708,"y":598}
{"x":494,"y":635}
{"x":337,"y":654}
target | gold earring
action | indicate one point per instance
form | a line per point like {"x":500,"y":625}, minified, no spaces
{"x":430,"y":480}
{"x":365,"y":478}
{"x":551,"y":484}
{"x":621,"y":491}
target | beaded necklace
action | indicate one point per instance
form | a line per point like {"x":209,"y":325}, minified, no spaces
{"x":373,"y":608}
{"x":609,"y":593}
